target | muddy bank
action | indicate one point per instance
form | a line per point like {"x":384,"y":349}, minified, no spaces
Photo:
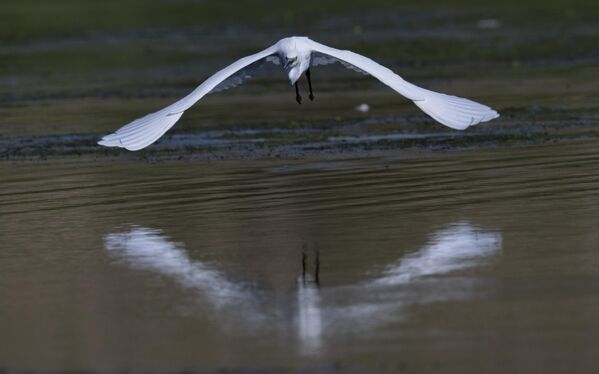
{"x":339,"y":138}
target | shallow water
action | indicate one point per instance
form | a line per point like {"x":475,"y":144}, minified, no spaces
{"x":468,"y":261}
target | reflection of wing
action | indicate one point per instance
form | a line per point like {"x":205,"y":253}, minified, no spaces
{"x":455,"y":112}
{"x":146,"y":130}
{"x":459,"y":247}
{"x":147,"y":249}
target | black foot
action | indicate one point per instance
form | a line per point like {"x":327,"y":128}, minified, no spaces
{"x":311,"y":97}
{"x":298,"y":99}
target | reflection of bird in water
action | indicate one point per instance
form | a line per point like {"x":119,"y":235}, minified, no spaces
{"x":316,"y":275}
{"x":309,"y":317}
{"x":147,"y":249}
{"x":297,"y":55}
{"x":460,"y":246}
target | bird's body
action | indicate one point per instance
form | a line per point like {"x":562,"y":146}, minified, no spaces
{"x":297,"y":55}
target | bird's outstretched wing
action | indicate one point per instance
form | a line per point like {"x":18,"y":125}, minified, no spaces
{"x":318,"y":59}
{"x":146,"y":130}
{"x":244,"y":74}
{"x":452,"y":111}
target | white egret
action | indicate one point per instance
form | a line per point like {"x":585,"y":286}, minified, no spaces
{"x":296,"y":55}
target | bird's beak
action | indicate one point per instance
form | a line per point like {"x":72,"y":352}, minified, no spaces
{"x":290,"y":62}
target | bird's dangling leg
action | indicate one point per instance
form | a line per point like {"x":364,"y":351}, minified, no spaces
{"x":309,"y":84}
{"x":298,"y":98}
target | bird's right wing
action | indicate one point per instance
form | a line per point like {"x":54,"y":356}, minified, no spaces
{"x":452,"y":111}
{"x":146,"y":130}
{"x":244,"y":74}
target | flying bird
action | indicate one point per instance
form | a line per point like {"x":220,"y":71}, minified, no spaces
{"x":296,"y":55}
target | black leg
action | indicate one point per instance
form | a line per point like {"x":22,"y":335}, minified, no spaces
{"x":317,"y":270}
{"x":309,"y":84}
{"x":298,"y":98}
{"x":304,"y":267}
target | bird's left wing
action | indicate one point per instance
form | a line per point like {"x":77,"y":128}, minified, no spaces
{"x":318,"y":59}
{"x":452,"y":111}
{"x":146,"y":130}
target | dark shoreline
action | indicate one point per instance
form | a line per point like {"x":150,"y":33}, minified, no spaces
{"x":284,"y":144}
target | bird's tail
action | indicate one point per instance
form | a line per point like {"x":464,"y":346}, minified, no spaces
{"x":452,"y":111}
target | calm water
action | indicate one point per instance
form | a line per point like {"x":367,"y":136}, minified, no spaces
{"x":480,"y":260}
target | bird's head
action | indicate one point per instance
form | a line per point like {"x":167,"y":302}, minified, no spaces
{"x":290,"y":61}
{"x":292,"y":65}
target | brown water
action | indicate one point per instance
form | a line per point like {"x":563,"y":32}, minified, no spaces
{"x":471,"y":261}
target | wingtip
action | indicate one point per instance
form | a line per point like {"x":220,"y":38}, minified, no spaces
{"x":111,"y":141}
{"x":491,"y":116}
{"x":106,"y":142}
{"x":117,"y":144}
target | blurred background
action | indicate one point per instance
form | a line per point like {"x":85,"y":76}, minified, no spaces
{"x":276,"y":237}
{"x":86,"y":67}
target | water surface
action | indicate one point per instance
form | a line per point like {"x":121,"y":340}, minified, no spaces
{"x":465,"y":261}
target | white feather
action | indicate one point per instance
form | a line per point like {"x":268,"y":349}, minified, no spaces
{"x":146,"y":130}
{"x":452,"y":111}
